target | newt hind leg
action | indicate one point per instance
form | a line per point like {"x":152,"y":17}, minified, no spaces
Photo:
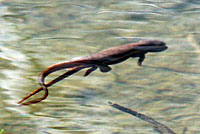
{"x":90,"y":70}
{"x":105,"y":68}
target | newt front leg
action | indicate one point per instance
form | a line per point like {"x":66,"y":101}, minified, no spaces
{"x":141,"y":59}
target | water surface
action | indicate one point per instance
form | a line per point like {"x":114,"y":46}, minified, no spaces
{"x":35,"y":34}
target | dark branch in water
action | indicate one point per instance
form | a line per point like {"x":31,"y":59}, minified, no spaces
{"x":159,"y":127}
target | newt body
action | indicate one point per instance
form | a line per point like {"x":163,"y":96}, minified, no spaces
{"x":109,"y":56}
{"x":101,"y":60}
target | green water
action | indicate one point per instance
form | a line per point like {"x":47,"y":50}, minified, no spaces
{"x":35,"y":34}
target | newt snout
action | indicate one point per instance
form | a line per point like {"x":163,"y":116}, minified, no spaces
{"x":158,"y":46}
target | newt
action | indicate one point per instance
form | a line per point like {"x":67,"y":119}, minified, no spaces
{"x":101,"y":60}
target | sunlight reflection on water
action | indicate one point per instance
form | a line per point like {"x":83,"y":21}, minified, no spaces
{"x":37,"y":34}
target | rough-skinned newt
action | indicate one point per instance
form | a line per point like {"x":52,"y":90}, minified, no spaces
{"x":101,"y":60}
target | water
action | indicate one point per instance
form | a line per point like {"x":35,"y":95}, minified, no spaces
{"x":37,"y":34}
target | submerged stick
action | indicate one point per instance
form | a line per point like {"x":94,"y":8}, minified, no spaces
{"x":159,"y":127}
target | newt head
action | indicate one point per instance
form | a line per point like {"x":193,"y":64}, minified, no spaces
{"x":152,"y":46}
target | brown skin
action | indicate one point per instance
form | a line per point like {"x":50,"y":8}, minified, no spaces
{"x":100,"y":60}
